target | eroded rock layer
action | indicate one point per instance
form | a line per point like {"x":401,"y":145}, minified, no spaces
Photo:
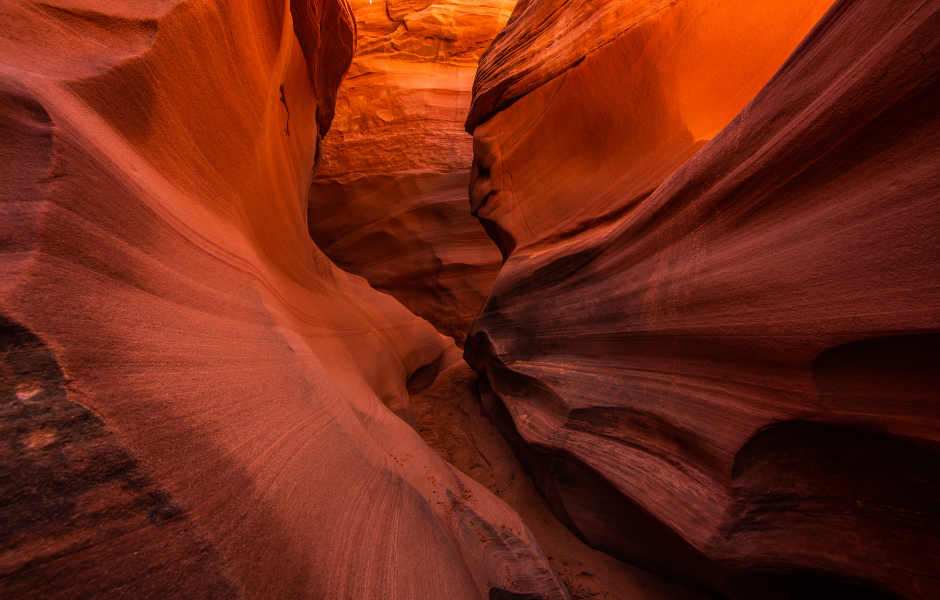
{"x":585,"y":146}
{"x":453,"y":421}
{"x":721,"y":360}
{"x":194,"y":401}
{"x":390,"y":200}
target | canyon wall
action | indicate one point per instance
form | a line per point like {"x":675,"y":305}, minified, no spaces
{"x":716,"y":337}
{"x":389,"y":202}
{"x":194,"y":401}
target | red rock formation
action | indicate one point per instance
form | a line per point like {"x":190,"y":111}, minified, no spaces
{"x":390,"y":200}
{"x":722,"y":360}
{"x":194,"y":402}
{"x":629,"y":114}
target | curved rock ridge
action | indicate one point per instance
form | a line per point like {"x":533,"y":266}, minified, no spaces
{"x":389,"y":202}
{"x":711,"y":47}
{"x":324,"y":31}
{"x":629,"y":113}
{"x":194,"y":401}
{"x":540,"y":42}
{"x":734,"y":378}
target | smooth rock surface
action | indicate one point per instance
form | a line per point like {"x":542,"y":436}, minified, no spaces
{"x":583,"y":147}
{"x":194,"y":401}
{"x":721,"y":360}
{"x":390,"y":200}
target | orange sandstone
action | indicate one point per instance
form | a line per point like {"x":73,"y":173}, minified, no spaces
{"x":716,"y":338}
{"x":625,"y":91}
{"x":390,"y":200}
{"x":195,"y":401}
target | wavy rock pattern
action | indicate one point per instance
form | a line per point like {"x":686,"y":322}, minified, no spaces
{"x":628,"y":114}
{"x":721,"y":360}
{"x":194,"y":401}
{"x":390,"y":200}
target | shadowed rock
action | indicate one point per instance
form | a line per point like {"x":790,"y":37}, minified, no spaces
{"x":734,"y":343}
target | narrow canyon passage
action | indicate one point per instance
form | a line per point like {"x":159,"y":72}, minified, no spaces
{"x":450,"y":417}
{"x":470,"y":299}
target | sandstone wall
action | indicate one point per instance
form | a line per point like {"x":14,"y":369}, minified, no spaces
{"x":390,"y":200}
{"x":715,"y":339}
{"x":194,"y":401}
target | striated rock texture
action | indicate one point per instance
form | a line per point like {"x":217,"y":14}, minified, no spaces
{"x":721,"y":360}
{"x":194,"y":401}
{"x":389,"y":202}
{"x":568,"y":152}
{"x":451,"y":420}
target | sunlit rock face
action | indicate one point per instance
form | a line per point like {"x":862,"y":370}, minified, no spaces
{"x":194,"y":401}
{"x":389,"y":202}
{"x":716,"y":339}
{"x":595,"y":105}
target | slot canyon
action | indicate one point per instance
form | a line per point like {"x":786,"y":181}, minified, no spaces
{"x":470,"y":299}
